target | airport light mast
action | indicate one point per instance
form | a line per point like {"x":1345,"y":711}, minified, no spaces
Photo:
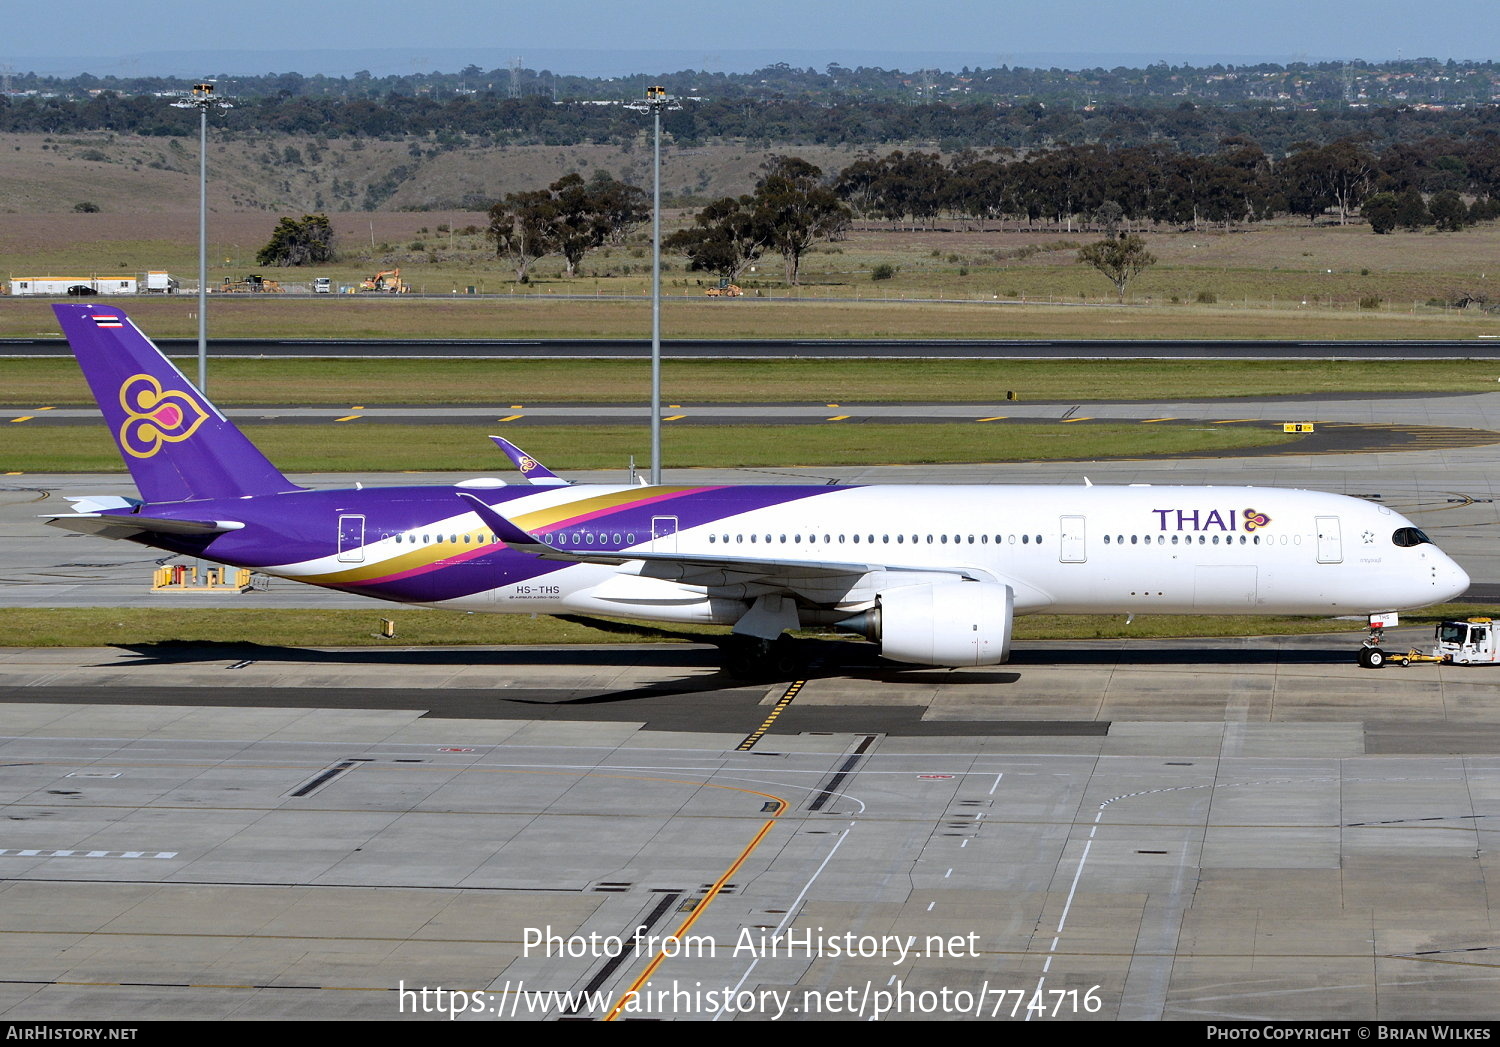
{"x":202,"y":100}
{"x":655,"y":101}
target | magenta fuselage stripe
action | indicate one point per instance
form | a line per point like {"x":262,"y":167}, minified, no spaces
{"x":446,"y":561}
{"x":574,"y":521}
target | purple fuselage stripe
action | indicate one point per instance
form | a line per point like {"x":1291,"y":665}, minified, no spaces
{"x":293,"y":528}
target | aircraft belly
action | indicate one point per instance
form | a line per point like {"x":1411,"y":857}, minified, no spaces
{"x":656,"y":599}
{"x":1225,"y":588}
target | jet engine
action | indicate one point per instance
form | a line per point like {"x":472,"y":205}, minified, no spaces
{"x":951,"y":623}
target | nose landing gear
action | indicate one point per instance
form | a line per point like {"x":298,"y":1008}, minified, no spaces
{"x":1370,"y":655}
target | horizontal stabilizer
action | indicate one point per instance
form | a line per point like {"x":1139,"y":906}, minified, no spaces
{"x":103,"y":503}
{"x":127,"y":525}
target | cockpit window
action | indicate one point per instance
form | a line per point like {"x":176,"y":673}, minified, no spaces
{"x":1406,"y":537}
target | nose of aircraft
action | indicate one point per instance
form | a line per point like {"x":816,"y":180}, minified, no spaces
{"x":1450,"y":580}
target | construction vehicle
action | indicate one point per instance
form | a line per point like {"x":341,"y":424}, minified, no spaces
{"x":724,"y":290}
{"x":387,"y":281}
{"x":252,"y":284}
{"x":1472,"y":641}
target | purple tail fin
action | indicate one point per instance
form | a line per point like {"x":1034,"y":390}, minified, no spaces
{"x":177,"y":445}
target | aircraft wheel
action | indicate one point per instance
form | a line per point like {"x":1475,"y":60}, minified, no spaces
{"x":1375,"y":659}
{"x":753,"y":658}
{"x":1364,"y":657}
{"x":748,"y":657}
{"x":789,"y":655}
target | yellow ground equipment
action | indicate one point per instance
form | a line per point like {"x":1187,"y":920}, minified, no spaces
{"x":184,"y":578}
{"x":387,"y":281}
{"x":252,"y":284}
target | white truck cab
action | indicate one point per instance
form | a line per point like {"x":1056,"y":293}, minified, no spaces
{"x":1469,"y":642}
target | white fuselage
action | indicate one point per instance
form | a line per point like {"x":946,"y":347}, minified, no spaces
{"x":1086,"y":549}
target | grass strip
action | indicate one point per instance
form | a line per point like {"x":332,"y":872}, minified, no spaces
{"x":368,"y":447}
{"x":159,"y":624}
{"x":29,"y":383}
{"x":795,"y":314}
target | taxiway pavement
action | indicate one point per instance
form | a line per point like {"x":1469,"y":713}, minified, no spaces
{"x":1243,"y":830}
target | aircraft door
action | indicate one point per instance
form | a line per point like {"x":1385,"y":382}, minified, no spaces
{"x":351,"y":539}
{"x":1073,"y":548}
{"x":1330,"y":545}
{"x":664,"y":534}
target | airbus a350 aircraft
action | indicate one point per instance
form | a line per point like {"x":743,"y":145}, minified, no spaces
{"x":934,"y":574}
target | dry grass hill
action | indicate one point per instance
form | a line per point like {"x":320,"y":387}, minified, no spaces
{"x":46,"y":174}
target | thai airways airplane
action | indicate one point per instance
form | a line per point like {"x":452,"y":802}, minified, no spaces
{"x":934,"y":574}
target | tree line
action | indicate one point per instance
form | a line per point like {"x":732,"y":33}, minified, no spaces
{"x":1110,"y":188}
{"x":794,"y":206}
{"x":487,"y":119}
{"x":1416,"y":80}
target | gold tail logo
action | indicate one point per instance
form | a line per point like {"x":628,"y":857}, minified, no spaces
{"x":154,"y":417}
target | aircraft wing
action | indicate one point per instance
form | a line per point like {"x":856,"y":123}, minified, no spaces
{"x":762,"y":567}
{"x":128,"y":525}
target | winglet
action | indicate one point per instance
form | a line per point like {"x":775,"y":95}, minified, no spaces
{"x":534,"y":471}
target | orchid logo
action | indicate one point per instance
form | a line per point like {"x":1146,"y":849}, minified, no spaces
{"x":1255,"y":520}
{"x":526,"y":463}
{"x":154,"y":417}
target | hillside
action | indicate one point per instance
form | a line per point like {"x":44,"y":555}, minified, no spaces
{"x":145,"y":190}
{"x":127,"y":174}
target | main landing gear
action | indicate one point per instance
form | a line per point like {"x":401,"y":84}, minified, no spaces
{"x":756,"y":658}
{"x":759,"y":647}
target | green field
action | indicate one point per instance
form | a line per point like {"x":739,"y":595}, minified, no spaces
{"x":240,"y":628}
{"x":799,"y":313}
{"x":29,"y":384}
{"x":365,"y":447}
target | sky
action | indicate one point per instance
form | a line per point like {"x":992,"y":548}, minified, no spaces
{"x":610,"y":37}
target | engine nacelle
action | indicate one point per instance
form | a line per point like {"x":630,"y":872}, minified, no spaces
{"x":952,"y":623}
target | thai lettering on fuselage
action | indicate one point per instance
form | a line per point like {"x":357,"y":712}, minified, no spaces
{"x":1210,"y":519}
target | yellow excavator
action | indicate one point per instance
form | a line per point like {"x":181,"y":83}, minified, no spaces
{"x":387,"y":281}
